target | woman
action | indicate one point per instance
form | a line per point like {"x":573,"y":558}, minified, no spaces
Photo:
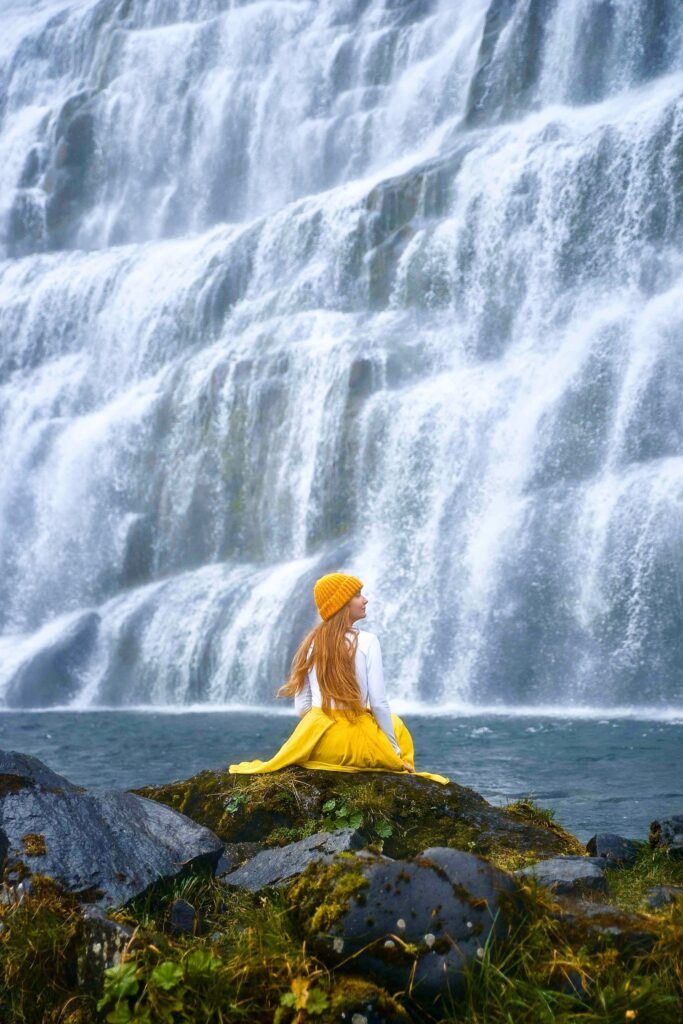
{"x":336,"y":672}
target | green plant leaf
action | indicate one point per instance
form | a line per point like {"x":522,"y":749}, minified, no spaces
{"x":167,"y":975}
{"x":120,"y":1014}
{"x":355,"y":820}
{"x":317,"y":1001}
{"x":288,"y":999}
{"x":329,"y":805}
{"x":342,"y":812}
{"x":384,"y":829}
{"x":235,"y":802}
{"x":202,"y":961}
{"x":120,"y":982}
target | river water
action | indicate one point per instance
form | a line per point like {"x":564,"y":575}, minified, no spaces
{"x":597,"y":774}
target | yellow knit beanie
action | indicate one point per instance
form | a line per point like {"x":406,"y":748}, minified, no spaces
{"x":331,"y":592}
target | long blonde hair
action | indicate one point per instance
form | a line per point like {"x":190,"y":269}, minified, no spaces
{"x":333,"y":655}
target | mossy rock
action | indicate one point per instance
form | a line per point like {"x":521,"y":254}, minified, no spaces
{"x":415,"y":923}
{"x":397,"y":814}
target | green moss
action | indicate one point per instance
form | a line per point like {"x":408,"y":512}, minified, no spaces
{"x":321,"y":895}
{"x":254,"y":962}
{"x":10,"y":783}
{"x":529,"y":811}
{"x":545,"y":973}
{"x":282,"y":835}
{"x":239,"y":971}
{"x":511,"y":860}
{"x":34,"y":844}
{"x":399,"y":814}
{"x":252,"y":966}
{"x":349,"y":995}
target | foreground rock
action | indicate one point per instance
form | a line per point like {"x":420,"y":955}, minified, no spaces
{"x":598,"y":925}
{"x":401,"y":813}
{"x":275,"y":866}
{"x":414,"y":922}
{"x":616,"y":850}
{"x":103,"y":943}
{"x":667,"y":835}
{"x":569,"y":875}
{"x":183,"y":918}
{"x":106,"y":847}
{"x":659,"y":896}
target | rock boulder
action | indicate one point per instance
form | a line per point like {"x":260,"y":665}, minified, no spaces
{"x":106,"y":847}
{"x":280,"y":864}
{"x":569,"y":875}
{"x":662,"y":895}
{"x":598,"y":925}
{"x":103,"y":942}
{"x":417,"y":921}
{"x":617,"y":851}
{"x":408,"y":813}
{"x":668,"y":834}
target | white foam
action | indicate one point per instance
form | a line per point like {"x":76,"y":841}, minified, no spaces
{"x":671,"y":716}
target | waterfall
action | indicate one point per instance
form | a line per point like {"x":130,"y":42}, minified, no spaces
{"x":393,"y":287}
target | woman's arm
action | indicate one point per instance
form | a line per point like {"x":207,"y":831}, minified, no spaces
{"x":377,"y":693}
{"x":303,"y":700}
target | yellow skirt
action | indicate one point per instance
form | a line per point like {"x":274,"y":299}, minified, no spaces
{"x":332,"y":743}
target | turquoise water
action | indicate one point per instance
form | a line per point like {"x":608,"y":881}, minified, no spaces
{"x":598,"y":775}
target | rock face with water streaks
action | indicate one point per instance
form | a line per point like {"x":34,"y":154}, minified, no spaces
{"x":106,"y":847}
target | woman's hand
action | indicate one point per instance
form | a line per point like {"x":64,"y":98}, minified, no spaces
{"x":407,"y":766}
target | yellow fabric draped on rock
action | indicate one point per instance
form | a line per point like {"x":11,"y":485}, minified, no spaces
{"x":332,"y":743}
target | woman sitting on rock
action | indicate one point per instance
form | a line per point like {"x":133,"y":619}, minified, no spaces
{"x":336,"y":673}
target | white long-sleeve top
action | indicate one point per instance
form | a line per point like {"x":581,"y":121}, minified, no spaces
{"x":370,"y":676}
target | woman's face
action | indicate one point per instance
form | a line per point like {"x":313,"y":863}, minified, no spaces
{"x":357,"y":606}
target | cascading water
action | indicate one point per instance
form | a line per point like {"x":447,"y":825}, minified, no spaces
{"x":389,"y":286}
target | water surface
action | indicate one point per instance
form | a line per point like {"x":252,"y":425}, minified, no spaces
{"x":598,"y":775}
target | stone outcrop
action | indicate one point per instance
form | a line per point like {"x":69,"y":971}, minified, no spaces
{"x":599,"y":925}
{"x":659,"y":896}
{"x":104,"y":846}
{"x":103,"y":943}
{"x":408,"y":895}
{"x":403,"y":813}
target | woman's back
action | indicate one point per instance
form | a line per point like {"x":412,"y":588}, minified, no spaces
{"x":370,"y":678}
